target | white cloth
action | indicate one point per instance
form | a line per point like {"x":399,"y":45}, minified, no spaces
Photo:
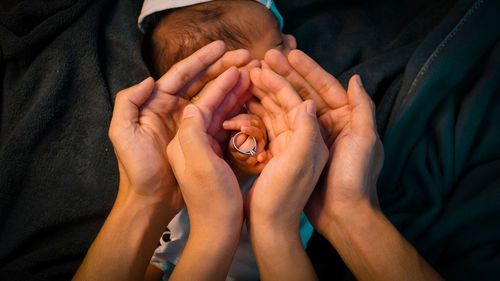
{"x":243,"y":267}
{"x":152,"y":6}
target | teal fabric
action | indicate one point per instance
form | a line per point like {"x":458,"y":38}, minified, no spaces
{"x":440,"y":184}
{"x":306,"y":230}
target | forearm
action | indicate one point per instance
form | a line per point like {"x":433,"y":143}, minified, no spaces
{"x":124,"y":246}
{"x":373,"y":249}
{"x":280,"y":254}
{"x":208,"y":253}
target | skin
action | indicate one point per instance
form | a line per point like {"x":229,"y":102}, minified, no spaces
{"x":274,"y":204}
{"x":270,"y":37}
{"x":145,"y":119}
{"x":250,"y":125}
{"x":344,"y":207}
{"x":265,"y":35}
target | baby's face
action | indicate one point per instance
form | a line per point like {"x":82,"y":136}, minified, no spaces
{"x":265,"y":33}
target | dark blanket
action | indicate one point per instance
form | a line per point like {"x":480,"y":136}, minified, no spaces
{"x":431,"y":66}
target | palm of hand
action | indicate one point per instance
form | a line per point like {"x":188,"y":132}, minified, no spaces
{"x":280,"y":132}
{"x":157,"y":125}
{"x":356,"y":157}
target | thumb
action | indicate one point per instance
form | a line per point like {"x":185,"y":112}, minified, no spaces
{"x":363,"y":112}
{"x":307,"y":140}
{"x":306,"y":122}
{"x":128,"y":102}
{"x":193,"y":138}
{"x":306,"y":128}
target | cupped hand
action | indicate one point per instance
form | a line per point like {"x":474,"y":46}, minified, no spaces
{"x":146,"y":118}
{"x":347,"y":118}
{"x":209,"y":187}
{"x":297,"y":153}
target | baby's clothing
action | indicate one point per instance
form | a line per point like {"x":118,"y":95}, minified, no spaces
{"x":243,"y":267}
{"x":152,"y":6}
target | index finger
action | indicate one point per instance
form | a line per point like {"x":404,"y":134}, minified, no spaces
{"x":323,"y":82}
{"x":236,"y":58}
{"x":184,"y":71}
{"x":277,"y":87}
{"x":279,"y":64}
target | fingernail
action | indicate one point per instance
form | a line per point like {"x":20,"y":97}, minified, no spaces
{"x":144,"y":81}
{"x":359,"y":81}
{"x":189,"y":111}
{"x":311,"y":108}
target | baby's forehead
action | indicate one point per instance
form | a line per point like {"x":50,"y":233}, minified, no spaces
{"x":254,"y":17}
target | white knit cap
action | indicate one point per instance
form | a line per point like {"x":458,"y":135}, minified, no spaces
{"x":152,"y":6}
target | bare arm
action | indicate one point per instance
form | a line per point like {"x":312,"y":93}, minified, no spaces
{"x":275,"y":202}
{"x":344,"y":208}
{"x":123,"y":247}
{"x":373,"y":248}
{"x":145,"y":119}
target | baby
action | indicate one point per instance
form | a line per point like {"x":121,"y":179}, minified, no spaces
{"x":173,"y":32}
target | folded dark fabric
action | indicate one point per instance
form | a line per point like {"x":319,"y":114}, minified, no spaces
{"x":431,"y":66}
{"x":440,"y":184}
{"x":62,"y":63}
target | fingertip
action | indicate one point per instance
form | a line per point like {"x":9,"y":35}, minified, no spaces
{"x":355,"y":90}
{"x":294,"y":55}
{"x":310,"y":107}
{"x":271,"y":55}
{"x":307,"y":119}
{"x":244,"y":130}
{"x":218,"y":45}
{"x":146,"y":81}
{"x":137,"y":95}
{"x":261,"y":157}
{"x":232,"y":69}
{"x":245,"y":78}
{"x":356,"y":80}
{"x":254,"y":63}
{"x":146,"y":85}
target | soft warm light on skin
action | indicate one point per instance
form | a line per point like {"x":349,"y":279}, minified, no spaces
{"x":265,"y":33}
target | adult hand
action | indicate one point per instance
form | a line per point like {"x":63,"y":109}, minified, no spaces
{"x":141,"y":136}
{"x":209,"y":187}
{"x":241,"y":59}
{"x":344,"y":208}
{"x":145,"y":119}
{"x":275,"y":202}
{"x":200,"y":171}
{"x":347,"y":118}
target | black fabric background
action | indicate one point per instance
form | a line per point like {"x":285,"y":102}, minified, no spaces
{"x":63,"y":61}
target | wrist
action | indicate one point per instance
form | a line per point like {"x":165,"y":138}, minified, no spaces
{"x":126,"y":241}
{"x":373,"y":249}
{"x":351,"y":221}
{"x":268,"y":232}
{"x":153,"y":208}
{"x":216,"y":245}
{"x":271,"y":245}
{"x":213,"y":225}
